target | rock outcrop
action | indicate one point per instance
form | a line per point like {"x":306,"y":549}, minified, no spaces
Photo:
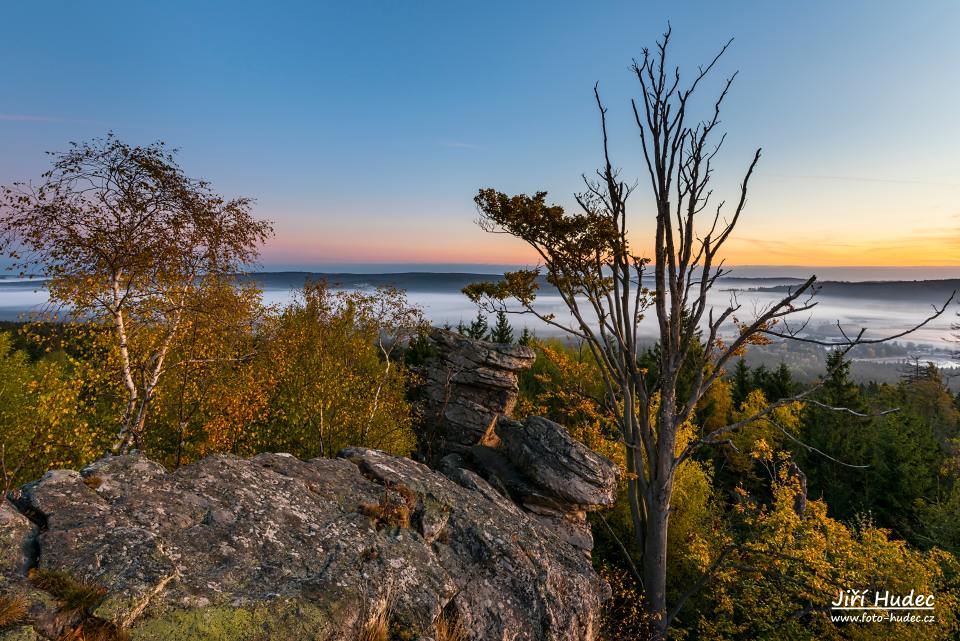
{"x":277,"y":548}
{"x":570,"y":471}
{"x":466,"y":386}
{"x":17,"y":536}
{"x":468,"y":392}
{"x":492,"y":540}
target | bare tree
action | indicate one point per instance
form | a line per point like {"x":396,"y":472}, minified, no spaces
{"x":125,"y":237}
{"x":587,"y":257}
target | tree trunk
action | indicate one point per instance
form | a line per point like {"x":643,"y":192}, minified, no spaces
{"x":655,"y":557}
{"x":120,"y":327}
{"x":633,"y":498}
{"x":134,"y":432}
{"x":375,"y":405}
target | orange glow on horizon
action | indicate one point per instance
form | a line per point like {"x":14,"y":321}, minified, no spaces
{"x":888,"y":252}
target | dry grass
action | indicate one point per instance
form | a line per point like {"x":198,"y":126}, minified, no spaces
{"x":13,"y":611}
{"x":449,"y":628}
{"x":72,"y":595}
{"x":94,"y":629}
{"x":377,"y":625}
{"x":394,"y":509}
{"x":76,"y":601}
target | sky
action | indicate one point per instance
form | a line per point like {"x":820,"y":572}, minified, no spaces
{"x":364,"y":129}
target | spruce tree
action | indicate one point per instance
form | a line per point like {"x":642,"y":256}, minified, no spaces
{"x":779,"y":384}
{"x":741,"y":383}
{"x":502,"y":332}
{"x":479,"y":327}
{"x":527,"y":337}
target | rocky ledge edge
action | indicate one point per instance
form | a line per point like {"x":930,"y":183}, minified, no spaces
{"x":273,"y":547}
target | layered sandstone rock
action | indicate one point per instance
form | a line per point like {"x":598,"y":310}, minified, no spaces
{"x":468,"y":392}
{"x":465,"y":388}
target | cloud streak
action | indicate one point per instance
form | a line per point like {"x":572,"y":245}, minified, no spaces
{"x":28,"y":118}
{"x":456,"y":144}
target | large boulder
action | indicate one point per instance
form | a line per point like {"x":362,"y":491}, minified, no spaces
{"x":273,"y":547}
{"x":17,"y":537}
{"x":550,"y":475}
{"x":558,"y":463}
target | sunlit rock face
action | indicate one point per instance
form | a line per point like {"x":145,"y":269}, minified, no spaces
{"x":277,"y":548}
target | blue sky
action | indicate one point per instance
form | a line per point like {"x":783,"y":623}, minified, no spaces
{"x":365,"y":128}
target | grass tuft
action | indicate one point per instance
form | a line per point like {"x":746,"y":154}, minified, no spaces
{"x":377,"y":625}
{"x":94,"y":629}
{"x":394,"y":509}
{"x":73,"y":595}
{"x":449,"y":628}
{"x":13,"y":611}
{"x":76,"y":601}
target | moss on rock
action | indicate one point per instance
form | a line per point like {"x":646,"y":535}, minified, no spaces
{"x":260,"y":622}
{"x":19,"y":633}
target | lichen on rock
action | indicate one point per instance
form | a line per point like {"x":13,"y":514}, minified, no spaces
{"x":275,"y":547}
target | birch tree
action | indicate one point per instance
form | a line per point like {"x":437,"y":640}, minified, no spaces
{"x":125,"y":237}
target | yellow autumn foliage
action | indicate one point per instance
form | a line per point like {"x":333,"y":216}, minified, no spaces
{"x":43,"y":420}
{"x":779,"y":582}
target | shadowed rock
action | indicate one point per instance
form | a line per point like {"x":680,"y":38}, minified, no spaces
{"x":466,"y":386}
{"x":558,"y":463}
{"x":17,"y":536}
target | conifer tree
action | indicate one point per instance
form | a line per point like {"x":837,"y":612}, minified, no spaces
{"x":741,"y":383}
{"x":479,"y":327}
{"x":502,"y":332}
{"x":526,"y":337}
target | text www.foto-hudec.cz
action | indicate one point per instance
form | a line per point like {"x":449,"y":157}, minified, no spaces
{"x":879,"y":606}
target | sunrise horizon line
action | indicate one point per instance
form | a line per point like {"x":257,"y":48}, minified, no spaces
{"x":279,"y":264}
